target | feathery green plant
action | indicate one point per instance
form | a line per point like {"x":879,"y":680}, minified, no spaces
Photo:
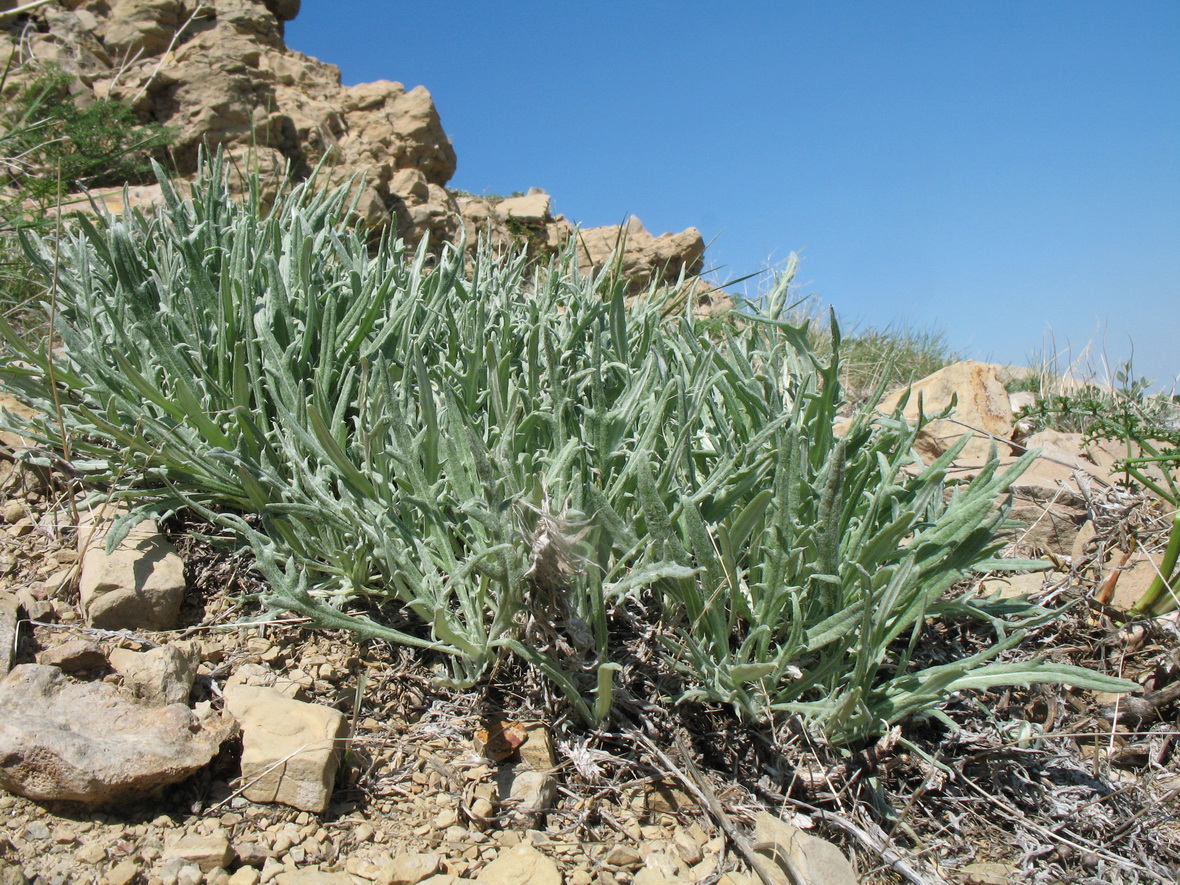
{"x":501,"y":460}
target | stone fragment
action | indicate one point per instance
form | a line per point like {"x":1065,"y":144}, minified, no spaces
{"x":125,"y":872}
{"x":650,"y":876}
{"x":1012,"y":586}
{"x":520,"y":865}
{"x":312,"y":877}
{"x":990,"y":874}
{"x":84,"y":742}
{"x":1135,"y":578}
{"x":532,"y":208}
{"x":537,"y":750}
{"x":9,"y":625}
{"x":245,"y":876}
{"x":11,"y":874}
{"x":159,"y":676}
{"x":981,"y":402}
{"x":140,"y":585}
{"x":289,"y":748}
{"x":818,"y":861}
{"x":667,"y":797}
{"x":209,"y":852}
{"x":74,"y":655}
{"x":143,"y":27}
{"x":643,"y":258}
{"x":409,"y":869}
{"x":623,"y":857}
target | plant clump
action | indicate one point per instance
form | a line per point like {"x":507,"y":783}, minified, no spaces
{"x":487,"y":459}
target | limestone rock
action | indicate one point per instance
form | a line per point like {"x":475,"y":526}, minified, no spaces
{"x":536,"y":752}
{"x":409,"y":869}
{"x":9,"y":623}
{"x":157,"y":677}
{"x":533,"y":208}
{"x":643,"y":258}
{"x":818,"y":861}
{"x":289,"y":748}
{"x":981,"y":402}
{"x":1013,"y":586}
{"x":74,"y":655}
{"x":209,"y":852}
{"x":144,"y":27}
{"x":84,"y":742}
{"x":520,"y":865}
{"x":140,"y":585}
{"x":312,"y":877}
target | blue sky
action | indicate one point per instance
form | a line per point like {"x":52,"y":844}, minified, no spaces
{"x":998,"y":171}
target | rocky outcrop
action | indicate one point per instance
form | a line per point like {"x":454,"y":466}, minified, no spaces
{"x":218,"y":73}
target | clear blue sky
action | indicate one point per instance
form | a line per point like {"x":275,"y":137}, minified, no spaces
{"x":994,"y":170}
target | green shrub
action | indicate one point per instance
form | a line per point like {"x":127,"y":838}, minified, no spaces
{"x":1146,"y":425}
{"x":49,"y":146}
{"x":499,"y":459}
{"x":99,"y":144}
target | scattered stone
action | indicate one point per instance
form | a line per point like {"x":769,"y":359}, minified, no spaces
{"x":650,"y":876}
{"x":289,"y":748}
{"x":209,"y":852}
{"x":74,"y":655}
{"x":9,"y":621}
{"x":409,"y":869}
{"x":245,"y":876}
{"x":10,"y":874}
{"x":91,"y":853}
{"x":122,"y":873}
{"x":623,"y":857}
{"x":84,"y":742}
{"x":990,"y":874}
{"x":668,"y":798}
{"x":520,"y":865}
{"x":1012,"y":586}
{"x":158,"y":677}
{"x":537,"y":750}
{"x":140,"y":585}
{"x":312,"y":877}
{"x":820,"y":862}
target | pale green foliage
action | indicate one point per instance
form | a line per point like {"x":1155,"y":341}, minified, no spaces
{"x":496,"y":460}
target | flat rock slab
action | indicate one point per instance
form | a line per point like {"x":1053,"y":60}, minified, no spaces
{"x":84,"y":742}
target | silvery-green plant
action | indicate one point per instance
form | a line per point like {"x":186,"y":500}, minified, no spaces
{"x":493,"y":458}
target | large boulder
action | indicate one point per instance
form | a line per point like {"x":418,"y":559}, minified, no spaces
{"x":84,"y":742}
